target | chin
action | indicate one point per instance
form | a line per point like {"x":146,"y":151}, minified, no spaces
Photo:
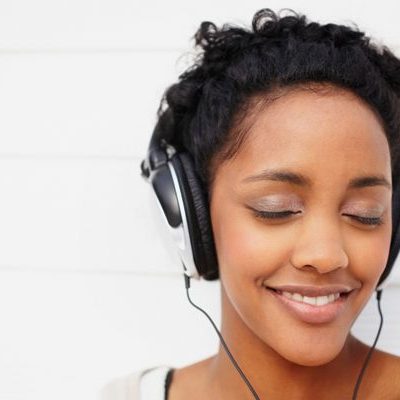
{"x":314,"y":356}
{"x":315,"y":361}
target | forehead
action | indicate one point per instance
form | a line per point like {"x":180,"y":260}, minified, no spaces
{"x":332,"y":132}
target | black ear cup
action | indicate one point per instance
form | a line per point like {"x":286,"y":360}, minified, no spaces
{"x":395,"y":241}
{"x":197,"y":215}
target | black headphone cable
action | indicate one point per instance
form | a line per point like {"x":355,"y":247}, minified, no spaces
{"x":236,"y":365}
{"x":241,"y":373}
{"x":356,"y":387}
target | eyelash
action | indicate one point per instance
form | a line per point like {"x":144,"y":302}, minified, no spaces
{"x":283,"y":214}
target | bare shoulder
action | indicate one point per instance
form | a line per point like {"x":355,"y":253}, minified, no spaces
{"x":388,"y":360}
{"x":189,"y":379}
{"x":387,"y":375}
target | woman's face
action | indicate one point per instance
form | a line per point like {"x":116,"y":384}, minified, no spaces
{"x":324,"y":148}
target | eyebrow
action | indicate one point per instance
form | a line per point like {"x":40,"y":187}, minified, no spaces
{"x":298,"y":179}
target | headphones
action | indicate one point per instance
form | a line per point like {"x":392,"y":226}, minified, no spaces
{"x":184,"y":208}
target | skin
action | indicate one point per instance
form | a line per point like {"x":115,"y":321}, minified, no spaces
{"x":330,"y":138}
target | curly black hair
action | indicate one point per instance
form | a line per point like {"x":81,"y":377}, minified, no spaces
{"x":206,"y":112}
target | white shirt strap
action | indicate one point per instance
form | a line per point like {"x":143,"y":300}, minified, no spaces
{"x":152,"y":383}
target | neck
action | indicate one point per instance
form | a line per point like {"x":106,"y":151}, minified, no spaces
{"x":269,"y":373}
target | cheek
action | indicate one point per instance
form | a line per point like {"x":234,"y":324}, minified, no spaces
{"x":370,"y":255}
{"x":247,"y":247}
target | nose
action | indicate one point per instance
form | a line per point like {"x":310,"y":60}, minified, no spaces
{"x":320,"y":245}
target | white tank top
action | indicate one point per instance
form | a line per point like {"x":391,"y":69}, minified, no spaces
{"x":147,"y":384}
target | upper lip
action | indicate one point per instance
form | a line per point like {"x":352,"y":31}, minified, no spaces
{"x":313,"y":290}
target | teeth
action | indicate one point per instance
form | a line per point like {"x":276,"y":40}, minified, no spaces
{"x":315,"y":301}
{"x":297,"y":297}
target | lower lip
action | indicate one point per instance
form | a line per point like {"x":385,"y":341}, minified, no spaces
{"x":313,"y":314}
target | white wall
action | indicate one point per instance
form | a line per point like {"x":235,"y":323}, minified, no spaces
{"x":87,"y":288}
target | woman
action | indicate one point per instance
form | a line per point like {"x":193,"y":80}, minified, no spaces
{"x":291,"y":130}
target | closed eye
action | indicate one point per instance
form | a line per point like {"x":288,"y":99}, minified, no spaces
{"x":274,"y":214}
{"x":367,"y":220}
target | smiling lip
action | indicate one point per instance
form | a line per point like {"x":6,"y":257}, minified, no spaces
{"x":310,"y":313}
{"x":313,"y":291}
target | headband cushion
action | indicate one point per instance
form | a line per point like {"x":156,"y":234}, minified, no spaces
{"x":395,"y":240}
{"x":197,"y":215}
